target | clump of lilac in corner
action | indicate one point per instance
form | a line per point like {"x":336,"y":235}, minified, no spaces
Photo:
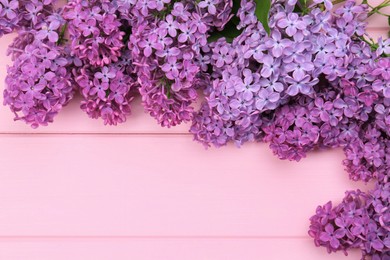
{"x":361,"y":220}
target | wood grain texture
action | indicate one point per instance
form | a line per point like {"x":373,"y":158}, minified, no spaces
{"x":162,"y":186}
{"x":165,"y":249}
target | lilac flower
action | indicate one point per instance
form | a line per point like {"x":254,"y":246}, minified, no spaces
{"x":381,"y":85}
{"x":334,"y":68}
{"x":99,"y":89}
{"x":292,"y":24}
{"x":349,"y":9}
{"x":272,"y":84}
{"x":277,"y":43}
{"x":223,"y":57}
{"x":9,"y":8}
{"x":249,"y":85}
{"x":149,"y":44}
{"x":331,"y":236}
{"x":89,"y":28}
{"x":49,"y":31}
{"x":189,"y":70}
{"x":323,"y":46}
{"x":300,"y":85}
{"x":322,"y":20}
{"x":160,"y":4}
{"x":322,"y":109}
{"x":35,"y":90}
{"x":270,"y":66}
{"x":257,"y":53}
{"x":171,"y":68}
{"x":106,"y":74}
{"x":209,"y":4}
{"x":383,"y":46}
{"x":383,"y":68}
{"x":179,"y":10}
{"x":299,"y":69}
{"x":171,"y":25}
{"x":187,"y":33}
{"x":24,"y":102}
{"x":267,"y":99}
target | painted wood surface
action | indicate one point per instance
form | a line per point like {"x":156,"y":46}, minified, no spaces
{"x":164,"y":249}
{"x":165,"y":186}
{"x":80,"y":190}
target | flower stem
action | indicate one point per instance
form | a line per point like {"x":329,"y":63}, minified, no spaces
{"x":338,"y":2}
{"x":62,"y":34}
{"x":376,"y":10}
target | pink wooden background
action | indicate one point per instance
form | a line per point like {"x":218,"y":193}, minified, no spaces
{"x":79,"y":190}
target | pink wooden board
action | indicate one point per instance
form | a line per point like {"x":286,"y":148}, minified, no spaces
{"x":79,"y":190}
{"x":136,"y":186}
{"x":164,"y":249}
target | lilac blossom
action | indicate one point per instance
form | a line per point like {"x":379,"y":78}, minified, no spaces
{"x":108,"y":91}
{"x":167,"y":53}
{"x":39,"y":83}
{"x":357,"y":222}
{"x":96,"y":37}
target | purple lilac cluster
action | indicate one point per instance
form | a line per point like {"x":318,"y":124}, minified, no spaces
{"x":39,"y":82}
{"x":16,"y":14}
{"x":99,"y":31}
{"x":166,"y":43}
{"x":312,"y":83}
{"x":258,"y":74}
{"x":95,"y":30}
{"x":361,"y":220}
{"x":108,"y":90}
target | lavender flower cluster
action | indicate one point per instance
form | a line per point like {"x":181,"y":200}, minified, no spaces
{"x":108,"y":91}
{"x":361,"y":220}
{"x":166,"y":42}
{"x":104,"y":71}
{"x":314,"y":81}
{"x":39,"y":82}
{"x":311,"y":84}
{"x":94,"y":28}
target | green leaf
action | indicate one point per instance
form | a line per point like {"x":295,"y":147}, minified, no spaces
{"x":388,"y":20}
{"x":262,"y":13}
{"x":304,"y":7}
{"x":303,"y":4}
{"x":236,"y":6}
{"x":230,"y":31}
{"x":215,"y":36}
